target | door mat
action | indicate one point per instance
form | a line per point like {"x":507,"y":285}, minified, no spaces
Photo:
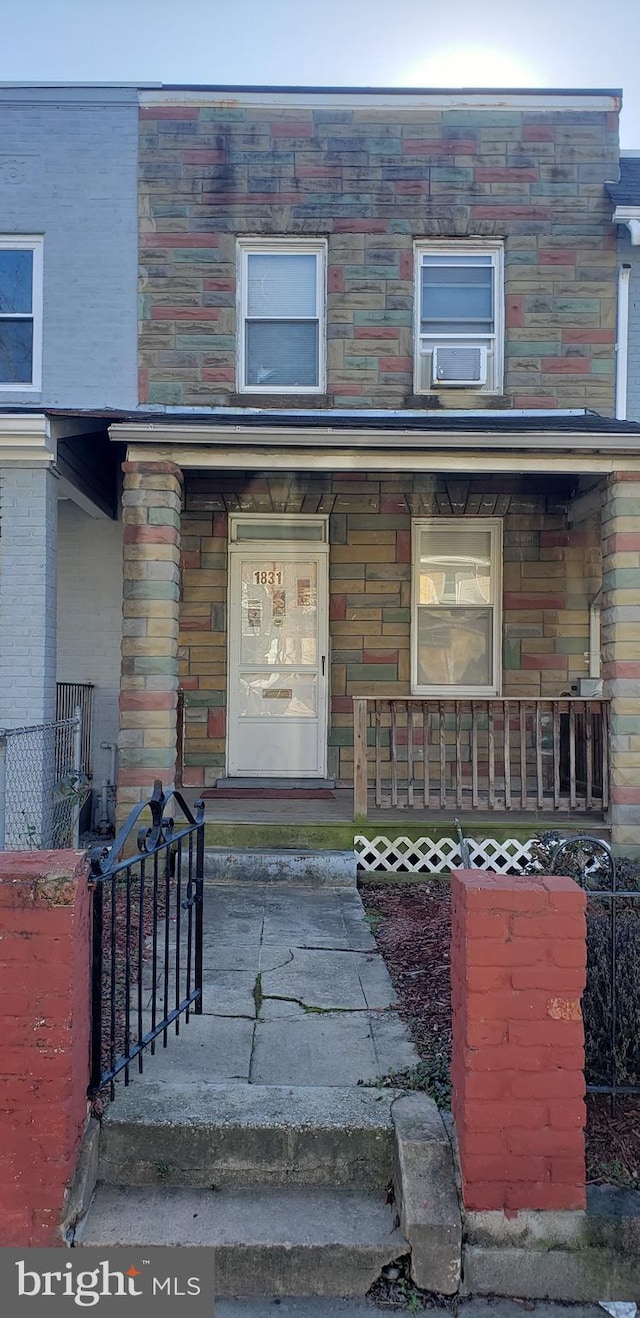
{"x":268,"y":794}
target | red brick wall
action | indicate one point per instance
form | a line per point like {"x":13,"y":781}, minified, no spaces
{"x":518,"y":964}
{"x":44,"y":1027}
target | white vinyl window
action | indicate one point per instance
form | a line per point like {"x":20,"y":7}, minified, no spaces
{"x":20,"y":313}
{"x":459,"y":317}
{"x":456,"y":617}
{"x":281,"y":317}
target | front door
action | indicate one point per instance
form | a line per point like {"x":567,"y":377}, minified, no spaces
{"x":277,"y":661}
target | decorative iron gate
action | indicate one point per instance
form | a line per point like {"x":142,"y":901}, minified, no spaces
{"x":147,"y":935}
{"x":611,"y":1003}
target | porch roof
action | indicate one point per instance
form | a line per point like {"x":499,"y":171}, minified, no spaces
{"x":407,"y":440}
{"x":511,"y":422}
{"x":494,"y":421}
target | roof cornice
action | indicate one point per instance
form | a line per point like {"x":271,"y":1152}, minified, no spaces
{"x":26,"y":437}
{"x":629,"y":215}
{"x":561,"y":99}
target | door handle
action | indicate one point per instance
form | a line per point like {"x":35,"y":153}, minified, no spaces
{"x":324,"y":660}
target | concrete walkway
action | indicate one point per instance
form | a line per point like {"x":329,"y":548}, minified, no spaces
{"x":330,"y":1308}
{"x":295,"y":993}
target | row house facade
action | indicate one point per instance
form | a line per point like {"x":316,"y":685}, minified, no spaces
{"x":377,"y":537}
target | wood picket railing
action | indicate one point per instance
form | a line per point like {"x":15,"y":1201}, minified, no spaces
{"x":519,"y":754}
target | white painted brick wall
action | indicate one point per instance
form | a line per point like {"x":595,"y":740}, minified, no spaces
{"x":28,"y":532}
{"x":74,"y":180}
{"x":90,"y":618}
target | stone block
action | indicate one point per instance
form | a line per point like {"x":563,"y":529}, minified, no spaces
{"x":426,"y":1194}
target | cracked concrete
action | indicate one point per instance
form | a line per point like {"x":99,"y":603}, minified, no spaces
{"x":295,"y":993}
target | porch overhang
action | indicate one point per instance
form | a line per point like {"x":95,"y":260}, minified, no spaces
{"x":571,"y":442}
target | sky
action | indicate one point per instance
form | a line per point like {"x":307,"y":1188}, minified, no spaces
{"x":427,"y":43}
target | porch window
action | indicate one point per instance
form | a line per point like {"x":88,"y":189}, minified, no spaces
{"x":456,"y":606}
{"x":20,"y":312}
{"x":459,"y":320}
{"x":282,"y":296}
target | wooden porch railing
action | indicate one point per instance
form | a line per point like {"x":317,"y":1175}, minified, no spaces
{"x":502,"y":754}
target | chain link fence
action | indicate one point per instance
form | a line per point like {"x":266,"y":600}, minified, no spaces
{"x":42,"y":785}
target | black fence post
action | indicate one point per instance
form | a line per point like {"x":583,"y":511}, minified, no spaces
{"x":199,"y":912}
{"x":96,"y":985}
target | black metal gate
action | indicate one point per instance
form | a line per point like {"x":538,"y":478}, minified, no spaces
{"x":147,"y":935}
{"x":611,"y":1002}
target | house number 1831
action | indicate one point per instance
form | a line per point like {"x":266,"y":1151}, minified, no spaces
{"x":266,"y":578}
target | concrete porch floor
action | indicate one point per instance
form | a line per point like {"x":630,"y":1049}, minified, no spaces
{"x":328,"y":822}
{"x":295,"y":993}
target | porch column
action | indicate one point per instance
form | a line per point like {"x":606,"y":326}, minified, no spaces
{"x":621,"y":652}
{"x":147,"y":743}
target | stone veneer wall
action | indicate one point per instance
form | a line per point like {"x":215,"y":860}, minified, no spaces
{"x":372,"y":181}
{"x":621,"y":652}
{"x":147,"y":742}
{"x":551,"y":574}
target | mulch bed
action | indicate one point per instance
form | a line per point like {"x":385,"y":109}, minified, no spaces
{"x":412,"y":925}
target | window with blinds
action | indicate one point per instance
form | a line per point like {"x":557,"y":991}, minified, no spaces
{"x":282,"y":295}
{"x":459,"y":316}
{"x":456,"y":624}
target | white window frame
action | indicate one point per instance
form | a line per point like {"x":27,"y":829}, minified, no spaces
{"x":282,"y":247}
{"x":30,"y":243}
{"x":424,"y":343}
{"x":292,"y":520}
{"x":464,"y":525}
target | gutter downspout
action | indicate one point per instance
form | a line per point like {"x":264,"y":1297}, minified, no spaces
{"x":594,"y":635}
{"x":622,"y":341}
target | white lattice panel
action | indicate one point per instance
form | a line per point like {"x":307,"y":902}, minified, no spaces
{"x":424,"y":855}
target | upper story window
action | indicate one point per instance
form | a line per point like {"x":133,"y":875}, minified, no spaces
{"x":456,"y":628}
{"x":20,"y":312}
{"x":282,"y":317}
{"x":459,"y":316}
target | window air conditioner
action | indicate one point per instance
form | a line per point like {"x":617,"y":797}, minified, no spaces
{"x":459,"y":366}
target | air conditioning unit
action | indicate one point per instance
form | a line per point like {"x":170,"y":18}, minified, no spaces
{"x":459,"y":366}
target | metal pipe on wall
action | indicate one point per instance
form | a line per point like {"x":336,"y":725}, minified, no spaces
{"x":622,"y":341}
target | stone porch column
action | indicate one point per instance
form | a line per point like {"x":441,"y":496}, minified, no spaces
{"x":147,"y":743}
{"x":621,"y":652}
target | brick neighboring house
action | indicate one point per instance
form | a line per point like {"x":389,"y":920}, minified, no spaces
{"x":68,"y":256}
{"x":374,"y":459}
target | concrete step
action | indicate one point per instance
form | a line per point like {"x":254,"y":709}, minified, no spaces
{"x":206,"y":1135}
{"x":322,"y":1241}
{"x":299,"y":866}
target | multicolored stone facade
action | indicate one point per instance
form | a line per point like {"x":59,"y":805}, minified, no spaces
{"x":621,"y":651}
{"x":551,"y":574}
{"x":372,"y":180}
{"x":151,"y":504}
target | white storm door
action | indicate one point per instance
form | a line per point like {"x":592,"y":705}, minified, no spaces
{"x":278,"y":663}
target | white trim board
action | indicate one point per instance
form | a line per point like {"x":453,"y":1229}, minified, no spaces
{"x":471,"y":460}
{"x":26,"y":437}
{"x":232,"y":98}
{"x":318,"y":438}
